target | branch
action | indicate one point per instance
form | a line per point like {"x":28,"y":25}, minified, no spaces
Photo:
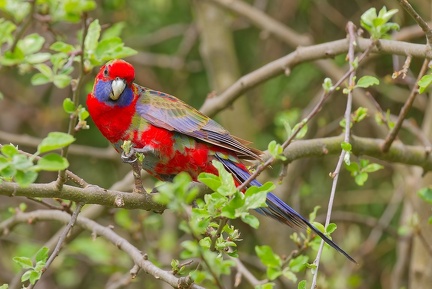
{"x":107,"y":233}
{"x":87,"y":195}
{"x":266,"y":23}
{"x":420,"y":21}
{"x":361,"y":146}
{"x":405,"y":109}
{"x":304,"y":54}
{"x":351,"y":29}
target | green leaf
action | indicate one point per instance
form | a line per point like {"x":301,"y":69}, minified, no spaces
{"x":34,"y":276}
{"x":372,"y":168}
{"x":8,"y":172}
{"x":302,"y":284}
{"x":24,"y":179}
{"x":21,"y":162}
{"x":298,"y":264}
{"x":273,"y":272}
{"x":32,"y":43}
{"x":9,"y":150}
{"x":40,"y":79}
{"x":361,"y":178}
{"x":60,"y":46}
{"x":255,"y":197}
{"x":268,"y":285}
{"x":83,"y":114}
{"x":68,"y":105}
{"x":327,"y":84}
{"x":4,"y":163}
{"x":42,"y":254}
{"x":26,"y":276}
{"x":55,"y":140}
{"x":302,"y":131}
{"x":112,"y":48}
{"x":23,"y":262}
{"x":113,"y":31}
{"x":38,"y":57}
{"x":346,"y":146}
{"x":92,"y":37}
{"x":424,"y":82}
{"x":62,"y":80}
{"x":426,"y":194}
{"x":4,"y":286}
{"x":251,"y":220}
{"x":210,"y":180}
{"x":367,"y":81}
{"x":52,"y":162}
{"x":45,"y":70}
{"x":353,"y":168}
{"x":267,"y":257}
{"x":331,"y":228}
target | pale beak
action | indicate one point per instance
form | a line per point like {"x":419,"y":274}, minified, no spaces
{"x":118,"y":85}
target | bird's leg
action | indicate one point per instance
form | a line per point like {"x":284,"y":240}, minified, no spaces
{"x":129,"y":155}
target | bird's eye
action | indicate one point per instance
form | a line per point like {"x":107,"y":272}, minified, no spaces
{"x":105,"y":72}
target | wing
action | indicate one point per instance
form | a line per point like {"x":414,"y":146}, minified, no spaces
{"x":166,"y":111}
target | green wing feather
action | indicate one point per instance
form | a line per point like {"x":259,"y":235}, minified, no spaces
{"x":168,"y":112}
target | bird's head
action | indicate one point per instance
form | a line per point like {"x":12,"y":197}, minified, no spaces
{"x":114,"y":83}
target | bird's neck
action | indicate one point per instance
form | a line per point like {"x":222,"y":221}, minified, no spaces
{"x":112,"y":121}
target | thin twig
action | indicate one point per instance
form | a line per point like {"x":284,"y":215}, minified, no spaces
{"x":420,"y":21}
{"x":25,"y":25}
{"x":351,"y":57}
{"x":214,"y":238}
{"x":75,"y":98}
{"x":404,"y":110}
{"x":61,"y":240}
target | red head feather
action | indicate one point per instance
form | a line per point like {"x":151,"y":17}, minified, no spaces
{"x":117,"y":68}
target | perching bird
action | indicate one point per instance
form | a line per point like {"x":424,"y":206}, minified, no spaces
{"x":174,"y":137}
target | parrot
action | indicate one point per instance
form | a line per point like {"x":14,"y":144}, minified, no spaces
{"x":175,"y":137}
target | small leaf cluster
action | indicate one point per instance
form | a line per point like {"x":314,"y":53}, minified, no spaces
{"x":378,"y":25}
{"x":424,"y":82}
{"x":30,"y":53}
{"x":364,"y":82}
{"x":99,"y":49}
{"x":426,"y":195}
{"x":227,"y":201}
{"x":213,"y":238}
{"x":277,"y":267}
{"x":360,"y":170}
{"x":34,"y":271}
{"x":21,"y":168}
{"x":276,"y":150}
{"x":284,"y":130}
{"x":380,"y":119}
{"x":79,"y":111}
{"x":356,"y":117}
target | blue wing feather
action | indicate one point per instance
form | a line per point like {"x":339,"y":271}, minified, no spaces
{"x":278,"y":209}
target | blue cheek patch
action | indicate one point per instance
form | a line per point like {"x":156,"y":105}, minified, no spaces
{"x":125,"y":98}
{"x":102,"y":92}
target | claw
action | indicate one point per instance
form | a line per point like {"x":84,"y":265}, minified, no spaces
{"x":129,"y":157}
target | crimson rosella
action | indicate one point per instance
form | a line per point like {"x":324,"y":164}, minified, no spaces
{"x":174,"y":137}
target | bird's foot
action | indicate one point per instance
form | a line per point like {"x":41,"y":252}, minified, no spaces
{"x":129,"y":157}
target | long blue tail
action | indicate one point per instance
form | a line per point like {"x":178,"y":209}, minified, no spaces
{"x":277,"y":209}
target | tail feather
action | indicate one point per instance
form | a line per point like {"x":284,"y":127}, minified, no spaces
{"x":277,"y":209}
